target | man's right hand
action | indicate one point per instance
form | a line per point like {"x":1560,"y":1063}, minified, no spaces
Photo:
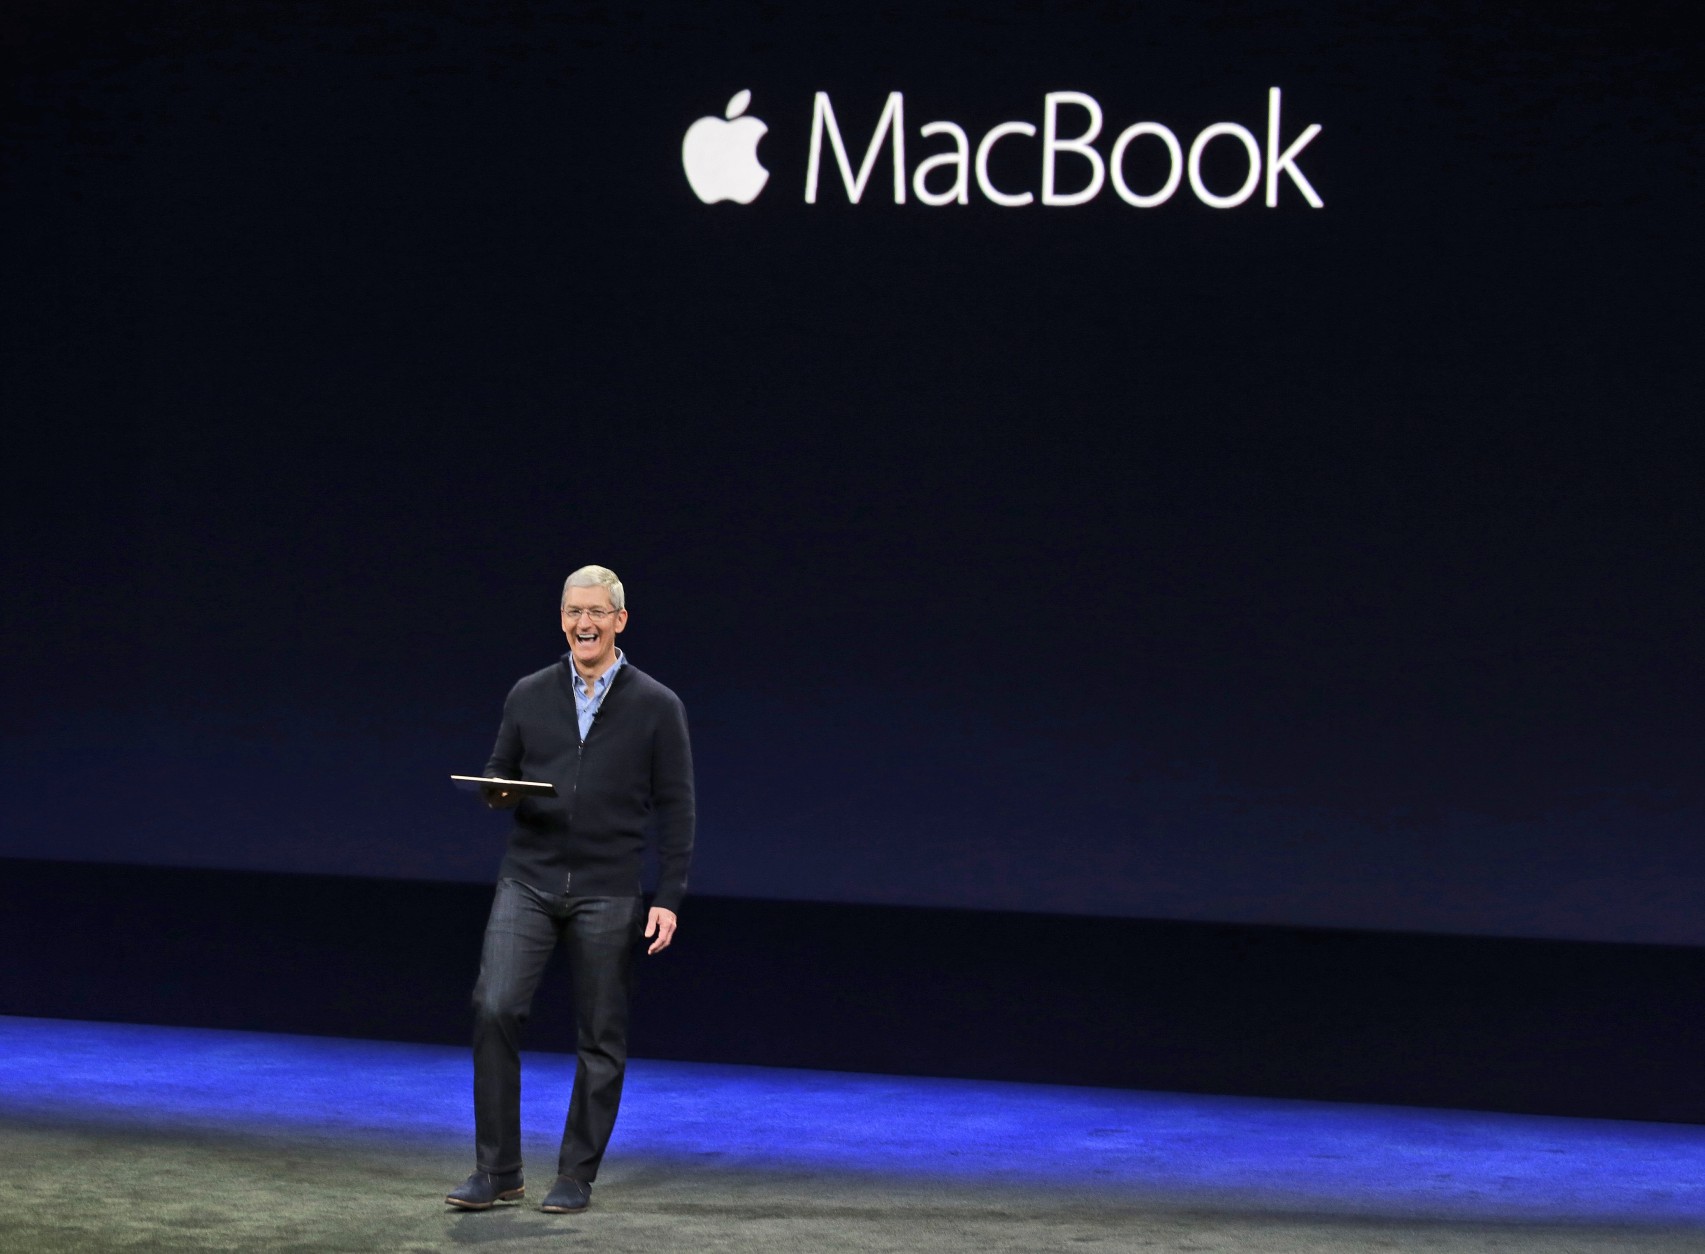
{"x":500,"y":798}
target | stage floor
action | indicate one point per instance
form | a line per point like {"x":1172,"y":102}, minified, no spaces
{"x":130,"y":1137}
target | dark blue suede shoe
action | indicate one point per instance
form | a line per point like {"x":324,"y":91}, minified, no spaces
{"x":567,"y":1195}
{"x":483,"y":1190}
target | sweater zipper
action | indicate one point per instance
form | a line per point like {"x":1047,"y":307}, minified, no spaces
{"x":573,"y":795}
{"x":574,"y":788}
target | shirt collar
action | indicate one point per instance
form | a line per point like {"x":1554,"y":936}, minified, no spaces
{"x":602,"y":683}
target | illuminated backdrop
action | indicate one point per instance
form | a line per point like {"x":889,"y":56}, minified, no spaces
{"x":1316,"y":542}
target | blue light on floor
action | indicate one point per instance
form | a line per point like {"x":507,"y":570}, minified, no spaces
{"x":1232,"y":1153}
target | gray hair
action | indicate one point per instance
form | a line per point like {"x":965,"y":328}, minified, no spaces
{"x":596,"y":577}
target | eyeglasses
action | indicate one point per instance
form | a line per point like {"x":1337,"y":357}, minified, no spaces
{"x":596,"y":615}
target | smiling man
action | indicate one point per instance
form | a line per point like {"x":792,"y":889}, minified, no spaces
{"x":614,"y":743}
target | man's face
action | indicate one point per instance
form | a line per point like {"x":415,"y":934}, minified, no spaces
{"x":591,"y":640}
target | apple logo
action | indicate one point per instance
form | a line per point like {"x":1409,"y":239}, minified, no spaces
{"x":721,"y":157}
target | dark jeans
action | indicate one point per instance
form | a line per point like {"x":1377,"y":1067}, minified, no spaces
{"x":522,"y":933}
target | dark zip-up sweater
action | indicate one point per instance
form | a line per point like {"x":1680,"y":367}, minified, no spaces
{"x":636,"y":766}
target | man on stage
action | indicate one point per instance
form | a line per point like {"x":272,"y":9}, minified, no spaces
{"x":614,"y":743}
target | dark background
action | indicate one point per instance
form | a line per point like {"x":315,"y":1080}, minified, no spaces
{"x":1333,"y":567}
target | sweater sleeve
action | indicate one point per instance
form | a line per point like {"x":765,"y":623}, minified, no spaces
{"x":672,"y":795}
{"x":505,"y":760}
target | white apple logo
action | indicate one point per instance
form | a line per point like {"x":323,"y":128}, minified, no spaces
{"x":721,"y":157}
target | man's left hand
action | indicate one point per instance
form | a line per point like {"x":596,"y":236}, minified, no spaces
{"x":661,"y":924}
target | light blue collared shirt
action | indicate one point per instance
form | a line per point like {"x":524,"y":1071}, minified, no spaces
{"x":587,"y":704}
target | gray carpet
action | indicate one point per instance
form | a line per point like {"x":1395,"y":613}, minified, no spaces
{"x":100,"y":1187}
